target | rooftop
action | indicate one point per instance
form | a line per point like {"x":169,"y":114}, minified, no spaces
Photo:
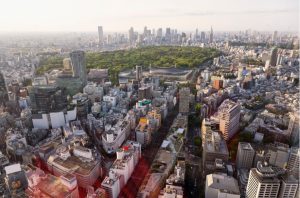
{"x":76,"y":165}
{"x":52,"y":186}
{"x":215,"y":143}
{"x":227,"y":105}
{"x":223,"y":182}
{"x":110,"y":181}
{"x":245,"y":146}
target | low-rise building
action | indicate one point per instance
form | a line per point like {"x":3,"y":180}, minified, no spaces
{"x":46,"y":185}
{"x":214,"y":149}
{"x":82,"y":164}
{"x":113,"y":137}
{"x":221,"y":185}
{"x":171,"y":191}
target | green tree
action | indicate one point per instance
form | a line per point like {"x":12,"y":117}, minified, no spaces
{"x":198,"y":107}
{"x":161,"y":56}
{"x":198,"y":141}
{"x":245,"y":137}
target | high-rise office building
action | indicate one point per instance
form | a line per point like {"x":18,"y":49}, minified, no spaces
{"x":202,"y":36}
{"x":277,"y":154}
{"x":262,"y":182}
{"x":3,"y":90}
{"x":211,"y":35}
{"x":73,"y":77}
{"x":273,"y":59}
{"x":100,"y":35}
{"x":245,"y":155}
{"x":47,"y":98}
{"x":139,"y":73}
{"x":289,"y":186}
{"x":184,"y":100}
{"x":159,"y":33}
{"x":131,"y":35}
{"x":168,"y":35}
{"x":79,"y":65}
{"x":168,"y":31}
{"x":145,"y":33}
{"x":294,"y":161}
{"x":229,"y":115}
{"x":274,"y":36}
{"x":153,"y":32}
{"x":144,"y":92}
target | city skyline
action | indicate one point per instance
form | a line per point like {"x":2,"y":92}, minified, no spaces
{"x":116,"y":15}
{"x":156,"y":99}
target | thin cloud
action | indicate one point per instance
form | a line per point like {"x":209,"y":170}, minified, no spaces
{"x":175,"y":13}
{"x":211,"y":13}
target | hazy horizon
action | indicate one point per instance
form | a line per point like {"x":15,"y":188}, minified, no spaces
{"x":119,"y":15}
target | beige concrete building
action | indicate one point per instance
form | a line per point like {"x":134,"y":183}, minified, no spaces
{"x":229,"y":115}
{"x":221,"y":185}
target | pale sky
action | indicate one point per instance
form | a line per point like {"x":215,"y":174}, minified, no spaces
{"x":120,"y":15}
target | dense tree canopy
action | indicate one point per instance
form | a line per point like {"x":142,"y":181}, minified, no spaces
{"x":115,"y":61}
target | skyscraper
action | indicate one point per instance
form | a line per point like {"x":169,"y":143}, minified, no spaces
{"x":100,"y":34}
{"x":211,"y":35}
{"x":273,"y":59}
{"x":274,"y":36}
{"x":168,"y":31}
{"x":79,"y":65}
{"x":262,"y":182}
{"x":168,"y":35}
{"x":131,"y":35}
{"x":145,"y":31}
{"x":202,"y":37}
{"x":139,"y":73}
{"x":245,"y":155}
{"x":229,"y":115}
{"x":159,"y":33}
{"x":196,"y":34}
{"x":3,"y":90}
